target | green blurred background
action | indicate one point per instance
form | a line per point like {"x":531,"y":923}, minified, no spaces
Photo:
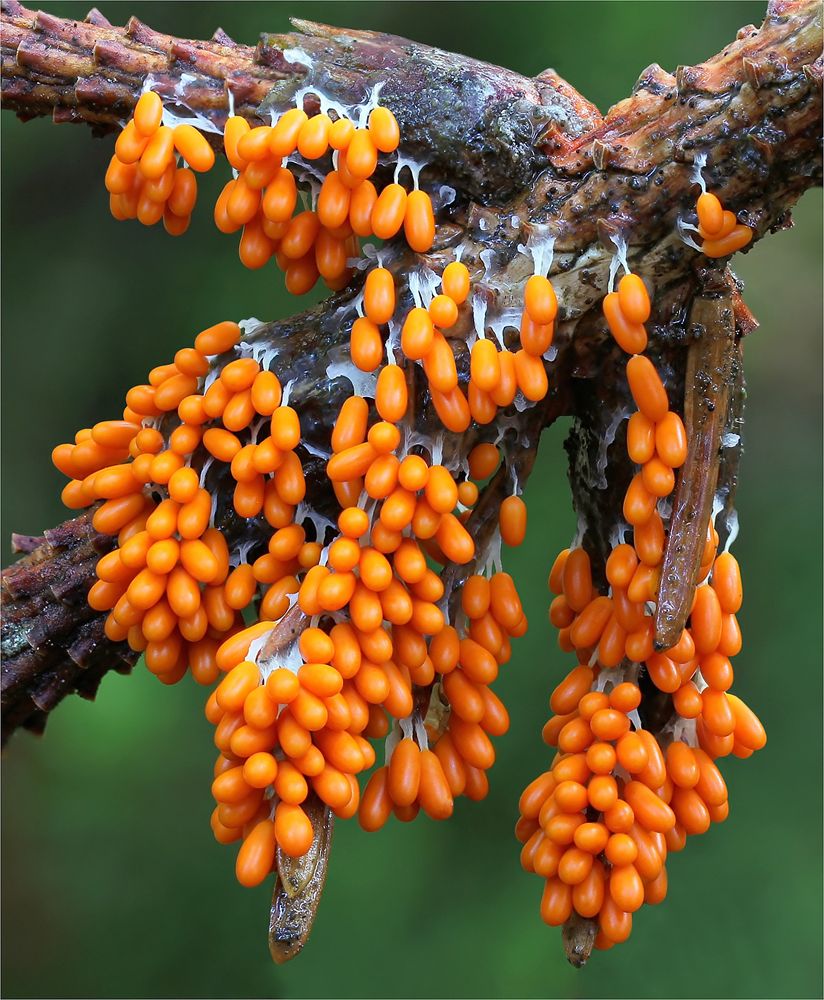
{"x":113,"y":884}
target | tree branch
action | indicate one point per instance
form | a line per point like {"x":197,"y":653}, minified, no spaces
{"x":52,"y":642}
{"x":521,"y":155}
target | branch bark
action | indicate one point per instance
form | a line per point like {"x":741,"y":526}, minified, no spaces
{"x":524,"y":157}
{"x":52,"y":642}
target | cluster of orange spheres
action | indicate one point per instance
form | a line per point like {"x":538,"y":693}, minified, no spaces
{"x":316,"y":242}
{"x":720,"y":230}
{"x":144,"y":180}
{"x":598,"y":825}
{"x":378,"y":658}
{"x":168,"y":584}
{"x":463,"y":665}
{"x":496,"y":376}
{"x":422,"y":340}
{"x":261,"y":200}
{"x":379,"y":653}
{"x":381,"y":650}
{"x":286,"y":731}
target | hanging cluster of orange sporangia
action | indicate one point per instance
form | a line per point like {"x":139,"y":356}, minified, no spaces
{"x":382,"y":651}
{"x":169,"y":585}
{"x":598,"y":825}
{"x":384,"y":662}
{"x":145,"y":182}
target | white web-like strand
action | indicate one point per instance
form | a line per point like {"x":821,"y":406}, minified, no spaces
{"x":438,"y":709}
{"x":357,"y":264}
{"x":509,"y":317}
{"x":287,"y":392}
{"x":327,"y":103}
{"x":361,"y":112}
{"x":522,"y":403}
{"x":717,"y":507}
{"x":479,"y":314}
{"x":487,"y":258}
{"x":436,"y":448}
{"x":515,"y":482}
{"x":190,"y":116}
{"x":353,"y":305}
{"x":204,"y":469}
{"x":540,"y":246}
{"x":153,"y":423}
{"x":309,"y":199}
{"x":250,"y":326}
{"x":321,"y":522}
{"x":683,"y":231}
{"x":256,"y":427}
{"x":619,"y":259}
{"x":238,"y":556}
{"x":256,"y":646}
{"x":603,"y":446}
{"x":358,"y":114}
{"x":684,"y":730}
{"x":289,"y":657}
{"x":618,"y":534}
{"x":393,"y":341}
{"x":423,"y":285}
{"x":732,"y":529}
{"x":212,"y":375}
{"x":664,"y":508}
{"x":492,"y":561}
{"x":503,"y":424}
{"x":410,"y":728}
{"x":696,"y":176}
{"x":363,"y":383}
{"x":306,"y":171}
{"x":580,"y":531}
{"x":262,"y":351}
{"x":369,"y":252}
{"x":685,"y":228}
{"x":230,"y":97}
{"x":413,"y":166}
{"x":393,"y":738}
{"x":431,"y":444}
{"x":731,"y":521}
{"x":314,"y":450}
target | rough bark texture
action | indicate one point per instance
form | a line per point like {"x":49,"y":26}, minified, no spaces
{"x":52,"y":642}
{"x":523,"y":157}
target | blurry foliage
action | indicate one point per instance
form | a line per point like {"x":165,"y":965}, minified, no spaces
{"x":113,"y":884}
